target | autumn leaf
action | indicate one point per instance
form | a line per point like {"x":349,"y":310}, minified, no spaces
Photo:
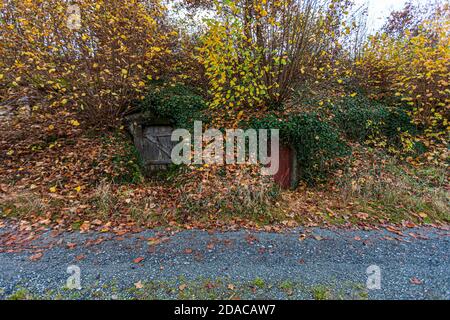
{"x":154,"y":241}
{"x":36,"y":256}
{"x":138,"y":260}
{"x":423,"y":215}
{"x":182,"y":287}
{"x":362,"y":215}
{"x":75,"y":123}
{"x":85,"y":226}
{"x":139,"y":285}
{"x":80,"y":257}
{"x":71,"y":245}
{"x":302,"y":237}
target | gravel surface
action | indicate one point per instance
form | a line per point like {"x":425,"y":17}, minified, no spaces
{"x":325,"y":264}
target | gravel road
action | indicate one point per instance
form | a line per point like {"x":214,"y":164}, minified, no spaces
{"x":324,"y":264}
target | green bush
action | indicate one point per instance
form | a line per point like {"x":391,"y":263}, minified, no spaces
{"x":179,"y":103}
{"x":316,"y":142}
{"x":361,"y":119}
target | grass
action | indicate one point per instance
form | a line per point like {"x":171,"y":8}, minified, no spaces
{"x":259,"y":283}
{"x":26,"y":204}
{"x":21,"y":294}
{"x":321,"y":293}
{"x":374,"y":184}
{"x":375,"y":189}
{"x":197,"y":289}
{"x":397,"y":192}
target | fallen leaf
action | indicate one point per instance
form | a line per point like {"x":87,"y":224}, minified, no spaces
{"x":75,"y":123}
{"x":362,"y":215}
{"x":231,"y":286}
{"x":36,"y":256}
{"x":138,"y":260}
{"x":97,"y":222}
{"x":85,"y":226}
{"x":80,"y":257}
{"x":139,"y":285}
{"x":302,"y":237}
{"x":71,"y":245}
{"x":182,"y":287}
{"x":416,"y":281}
{"x":153,"y":241}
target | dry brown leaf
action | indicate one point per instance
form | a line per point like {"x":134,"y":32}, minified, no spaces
{"x":36,"y":256}
{"x":138,"y":260}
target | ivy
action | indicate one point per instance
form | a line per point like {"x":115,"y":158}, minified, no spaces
{"x":316,"y":142}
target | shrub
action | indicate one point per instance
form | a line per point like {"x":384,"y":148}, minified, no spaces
{"x":363,"y":120}
{"x":409,"y":64}
{"x":255,"y":51}
{"x":316,"y":142}
{"x":179,"y":103}
{"x":93,"y":56}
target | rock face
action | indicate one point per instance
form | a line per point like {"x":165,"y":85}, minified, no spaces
{"x":152,"y":138}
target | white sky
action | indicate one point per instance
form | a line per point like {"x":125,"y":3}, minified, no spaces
{"x":379,"y":10}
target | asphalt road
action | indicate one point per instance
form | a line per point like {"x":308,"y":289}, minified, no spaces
{"x":326,"y":264}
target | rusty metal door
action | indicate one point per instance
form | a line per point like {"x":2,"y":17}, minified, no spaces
{"x":284,"y":175}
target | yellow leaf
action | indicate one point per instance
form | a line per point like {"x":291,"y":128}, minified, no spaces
{"x":423,"y":215}
{"x":74,"y":123}
{"x":78,"y":189}
{"x":52,"y":189}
